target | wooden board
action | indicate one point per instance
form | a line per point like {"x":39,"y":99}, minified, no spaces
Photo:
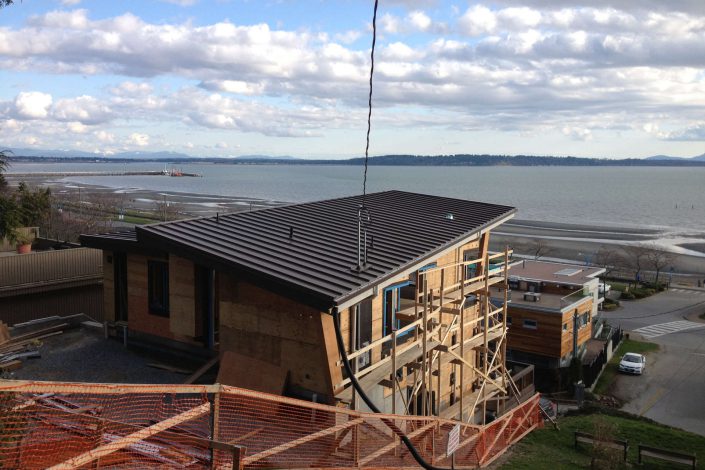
{"x":246,"y":372}
{"x":10,"y":366}
{"x":4,"y":333}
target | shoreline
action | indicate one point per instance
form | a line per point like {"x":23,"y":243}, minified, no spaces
{"x":577,"y":242}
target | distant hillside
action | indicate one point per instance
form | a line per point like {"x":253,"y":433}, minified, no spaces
{"x":388,"y":160}
{"x":699,"y":158}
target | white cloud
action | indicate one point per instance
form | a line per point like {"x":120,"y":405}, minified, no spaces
{"x":420,"y":20}
{"x":181,"y":3}
{"x":234,"y":86}
{"x":522,"y":67}
{"x":347,"y":37}
{"x":33,"y":104}
{"x":77,"y":127}
{"x":138,"y":139}
{"x":70,"y":3}
{"x":478,"y":20}
{"x":84,"y":109}
{"x":105,"y":136}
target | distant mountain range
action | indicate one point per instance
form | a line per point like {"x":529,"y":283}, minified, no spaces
{"x":699,"y":158}
{"x":33,"y":155}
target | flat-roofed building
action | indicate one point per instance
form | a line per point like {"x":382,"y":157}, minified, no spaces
{"x":551,"y":311}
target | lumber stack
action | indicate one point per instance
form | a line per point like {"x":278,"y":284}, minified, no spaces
{"x":16,"y":348}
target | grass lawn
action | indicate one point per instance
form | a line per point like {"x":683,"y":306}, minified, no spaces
{"x":131,"y":219}
{"x":628,"y":345}
{"x":620,"y":286}
{"x":554,"y":450}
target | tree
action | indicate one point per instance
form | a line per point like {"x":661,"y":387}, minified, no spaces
{"x":9,"y":218}
{"x":22,"y":208}
{"x":5,"y":3}
{"x":658,"y":259}
{"x":33,"y":205}
{"x":536,"y":247}
{"x":608,"y":259}
{"x":636,"y":258}
{"x":4,"y":163}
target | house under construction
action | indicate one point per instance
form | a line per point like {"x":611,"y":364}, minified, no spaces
{"x":405,"y":283}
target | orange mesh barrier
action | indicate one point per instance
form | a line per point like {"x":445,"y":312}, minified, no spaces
{"x":63,"y":425}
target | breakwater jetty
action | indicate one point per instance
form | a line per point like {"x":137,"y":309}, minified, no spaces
{"x":61,"y":174}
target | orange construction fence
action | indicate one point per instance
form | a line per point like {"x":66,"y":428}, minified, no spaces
{"x":71,"y":425}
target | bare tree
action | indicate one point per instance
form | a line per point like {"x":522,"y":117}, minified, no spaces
{"x":637,"y":259}
{"x":536,"y":247}
{"x":658,"y":259}
{"x":608,"y":258}
{"x":168,"y":210}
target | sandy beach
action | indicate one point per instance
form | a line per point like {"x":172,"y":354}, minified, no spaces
{"x":565,"y":242}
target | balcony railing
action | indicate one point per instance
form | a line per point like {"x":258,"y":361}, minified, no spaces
{"x":573,"y":297}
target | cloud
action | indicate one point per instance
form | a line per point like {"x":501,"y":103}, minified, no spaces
{"x":70,"y":3}
{"x":32,"y":104}
{"x":694,"y":133}
{"x":104,"y":136}
{"x":524,"y":67}
{"x":181,"y":3}
{"x":137,"y":139}
{"x":84,"y":109}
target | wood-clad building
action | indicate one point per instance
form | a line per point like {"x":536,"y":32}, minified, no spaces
{"x":406,"y":276}
{"x":551,"y":311}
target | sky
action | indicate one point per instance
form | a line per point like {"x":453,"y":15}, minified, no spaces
{"x":595,"y":78}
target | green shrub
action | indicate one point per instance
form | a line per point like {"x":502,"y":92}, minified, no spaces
{"x":627,"y":296}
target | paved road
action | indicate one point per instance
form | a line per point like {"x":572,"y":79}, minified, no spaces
{"x":672,"y":389}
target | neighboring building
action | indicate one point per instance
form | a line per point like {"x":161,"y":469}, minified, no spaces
{"x":263,"y":287}
{"x":54,"y":279}
{"x":551,"y":311}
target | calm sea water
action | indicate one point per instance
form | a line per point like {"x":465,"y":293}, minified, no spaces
{"x":641,"y":197}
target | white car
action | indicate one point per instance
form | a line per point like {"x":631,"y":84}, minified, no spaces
{"x":633,"y":363}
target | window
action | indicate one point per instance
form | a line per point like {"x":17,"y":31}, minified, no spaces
{"x":565,"y":327}
{"x":530,"y":324}
{"x":158,"y":289}
{"x":362,"y":336}
{"x":583,"y":320}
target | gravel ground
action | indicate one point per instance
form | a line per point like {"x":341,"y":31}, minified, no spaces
{"x":84,"y":355}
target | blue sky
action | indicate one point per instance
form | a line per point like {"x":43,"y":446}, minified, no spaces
{"x":226,"y":78}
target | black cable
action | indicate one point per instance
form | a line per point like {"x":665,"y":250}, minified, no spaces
{"x":395,"y":429}
{"x":369,"y":102}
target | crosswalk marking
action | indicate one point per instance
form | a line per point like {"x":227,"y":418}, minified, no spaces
{"x":687,"y":291}
{"x":652,"y":331}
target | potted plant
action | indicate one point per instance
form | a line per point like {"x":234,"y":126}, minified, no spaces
{"x":23,"y":241}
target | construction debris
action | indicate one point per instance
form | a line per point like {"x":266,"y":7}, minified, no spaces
{"x":22,"y":341}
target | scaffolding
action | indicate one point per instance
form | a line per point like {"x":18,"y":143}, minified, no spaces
{"x":454,"y":344}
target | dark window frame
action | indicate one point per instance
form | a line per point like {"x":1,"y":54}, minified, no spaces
{"x":158,"y":288}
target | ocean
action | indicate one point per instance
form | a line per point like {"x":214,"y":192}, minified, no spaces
{"x":650,"y":197}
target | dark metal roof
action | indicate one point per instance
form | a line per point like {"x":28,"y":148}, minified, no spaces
{"x":99,"y":240}
{"x":316,"y":262}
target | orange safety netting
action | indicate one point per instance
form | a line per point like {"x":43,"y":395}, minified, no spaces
{"x":64,"y":425}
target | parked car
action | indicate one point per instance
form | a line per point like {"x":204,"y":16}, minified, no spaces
{"x":604,"y":288}
{"x":632,"y":363}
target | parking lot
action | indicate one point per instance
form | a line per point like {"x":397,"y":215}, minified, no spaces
{"x":672,"y":389}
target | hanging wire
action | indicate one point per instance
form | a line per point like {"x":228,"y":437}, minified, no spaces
{"x":369,"y":103}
